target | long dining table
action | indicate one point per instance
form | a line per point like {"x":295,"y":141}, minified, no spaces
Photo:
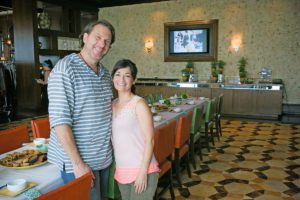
{"x":48,"y":177}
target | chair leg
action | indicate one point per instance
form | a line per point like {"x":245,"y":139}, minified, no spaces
{"x":171,"y":184}
{"x":212,"y":134}
{"x":217,"y":128}
{"x":192,"y":151}
{"x":177,"y":167}
{"x":220,"y":128}
{"x":200,"y":149}
{"x":188,"y":165}
{"x":206,"y":137}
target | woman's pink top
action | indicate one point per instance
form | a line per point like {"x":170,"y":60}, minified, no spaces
{"x":129,"y":143}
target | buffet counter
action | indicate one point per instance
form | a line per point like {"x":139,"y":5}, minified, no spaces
{"x":263,"y":100}
{"x":259,"y":86}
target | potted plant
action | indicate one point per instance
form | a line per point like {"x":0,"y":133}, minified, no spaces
{"x":190,"y":66}
{"x":221,"y":65}
{"x":185,"y":73}
{"x":213,"y":70}
{"x":242,"y":69}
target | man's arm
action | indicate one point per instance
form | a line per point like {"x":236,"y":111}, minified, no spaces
{"x":66,"y":139}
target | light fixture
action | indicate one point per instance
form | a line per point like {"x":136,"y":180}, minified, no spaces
{"x":236,"y":48}
{"x":149,"y":46}
{"x":236,"y":42}
{"x":8,"y":40}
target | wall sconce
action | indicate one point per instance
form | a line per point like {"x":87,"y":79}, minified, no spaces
{"x":149,"y":46}
{"x":236,"y":48}
{"x":236,"y":42}
{"x":8,"y":40}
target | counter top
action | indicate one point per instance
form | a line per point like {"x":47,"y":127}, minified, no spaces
{"x":260,"y":86}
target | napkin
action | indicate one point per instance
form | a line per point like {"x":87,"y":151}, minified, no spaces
{"x":31,"y":194}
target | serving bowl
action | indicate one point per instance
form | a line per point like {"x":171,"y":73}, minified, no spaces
{"x":191,"y":102}
{"x":157,"y":118}
{"x":17,"y":185}
{"x":177,"y":109}
{"x":39,"y":141}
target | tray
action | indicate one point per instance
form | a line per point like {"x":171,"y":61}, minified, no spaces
{"x":6,"y":192}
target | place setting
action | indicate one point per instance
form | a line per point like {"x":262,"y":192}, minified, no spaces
{"x":16,"y":187}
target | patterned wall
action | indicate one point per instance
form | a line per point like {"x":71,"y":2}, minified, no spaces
{"x":270,"y":31}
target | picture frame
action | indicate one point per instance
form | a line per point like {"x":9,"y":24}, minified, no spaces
{"x":191,"y":41}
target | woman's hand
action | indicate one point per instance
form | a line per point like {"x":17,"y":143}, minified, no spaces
{"x":140,"y":183}
{"x":40,"y":81}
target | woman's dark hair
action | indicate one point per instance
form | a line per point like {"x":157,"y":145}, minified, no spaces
{"x":48,"y":63}
{"x":124,"y":63}
{"x":89,"y":27}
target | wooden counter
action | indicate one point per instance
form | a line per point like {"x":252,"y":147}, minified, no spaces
{"x":242,"y":102}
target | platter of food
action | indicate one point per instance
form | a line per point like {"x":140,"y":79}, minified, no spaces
{"x":24,"y":159}
{"x":161,"y":108}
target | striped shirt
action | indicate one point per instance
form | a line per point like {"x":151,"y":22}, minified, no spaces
{"x":80,"y":98}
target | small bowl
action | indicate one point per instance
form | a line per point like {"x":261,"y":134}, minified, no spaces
{"x":17,"y":185}
{"x":157,"y":118}
{"x":39,"y":141}
{"x":42,"y":147}
{"x":177,"y":109}
{"x":191,"y":102}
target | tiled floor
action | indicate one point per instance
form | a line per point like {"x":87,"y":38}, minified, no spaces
{"x":253,"y":160}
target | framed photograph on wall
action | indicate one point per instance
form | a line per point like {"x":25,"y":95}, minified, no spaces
{"x":191,"y":40}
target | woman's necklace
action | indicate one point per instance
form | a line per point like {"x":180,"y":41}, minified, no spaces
{"x":92,"y":68}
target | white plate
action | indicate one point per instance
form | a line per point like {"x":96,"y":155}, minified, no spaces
{"x":177,"y":109}
{"x":157,"y":118}
{"x":191,"y":102}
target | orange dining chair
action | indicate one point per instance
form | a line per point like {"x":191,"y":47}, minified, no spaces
{"x":163,"y":149}
{"x":78,"y":189}
{"x":40,"y":128}
{"x":182,"y":139}
{"x":13,"y":138}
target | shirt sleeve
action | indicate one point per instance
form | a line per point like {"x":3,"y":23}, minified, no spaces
{"x":61,"y":98}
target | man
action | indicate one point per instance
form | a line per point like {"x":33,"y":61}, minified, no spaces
{"x":80,"y":94}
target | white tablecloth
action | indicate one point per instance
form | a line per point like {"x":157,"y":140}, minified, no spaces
{"x":46,"y":176}
{"x":185,"y":108}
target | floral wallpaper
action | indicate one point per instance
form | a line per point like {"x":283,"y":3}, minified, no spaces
{"x":269,"y":31}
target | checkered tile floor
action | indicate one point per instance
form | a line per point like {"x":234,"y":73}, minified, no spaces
{"x":253,"y":161}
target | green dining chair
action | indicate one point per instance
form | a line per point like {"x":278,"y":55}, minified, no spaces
{"x":195,"y":136}
{"x":214,"y":117}
{"x":219,"y":115}
{"x":208,"y":125}
{"x":113,"y":188}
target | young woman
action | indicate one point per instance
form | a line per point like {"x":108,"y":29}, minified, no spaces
{"x":132,"y":137}
{"x":47,"y":66}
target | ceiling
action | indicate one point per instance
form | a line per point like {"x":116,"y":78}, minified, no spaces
{"x":7,"y":4}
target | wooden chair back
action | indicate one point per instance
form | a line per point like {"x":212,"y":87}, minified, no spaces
{"x":78,"y":189}
{"x":13,"y":138}
{"x":40,"y":128}
{"x":197,"y":120}
{"x":183,"y":130}
{"x":164,"y":144}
